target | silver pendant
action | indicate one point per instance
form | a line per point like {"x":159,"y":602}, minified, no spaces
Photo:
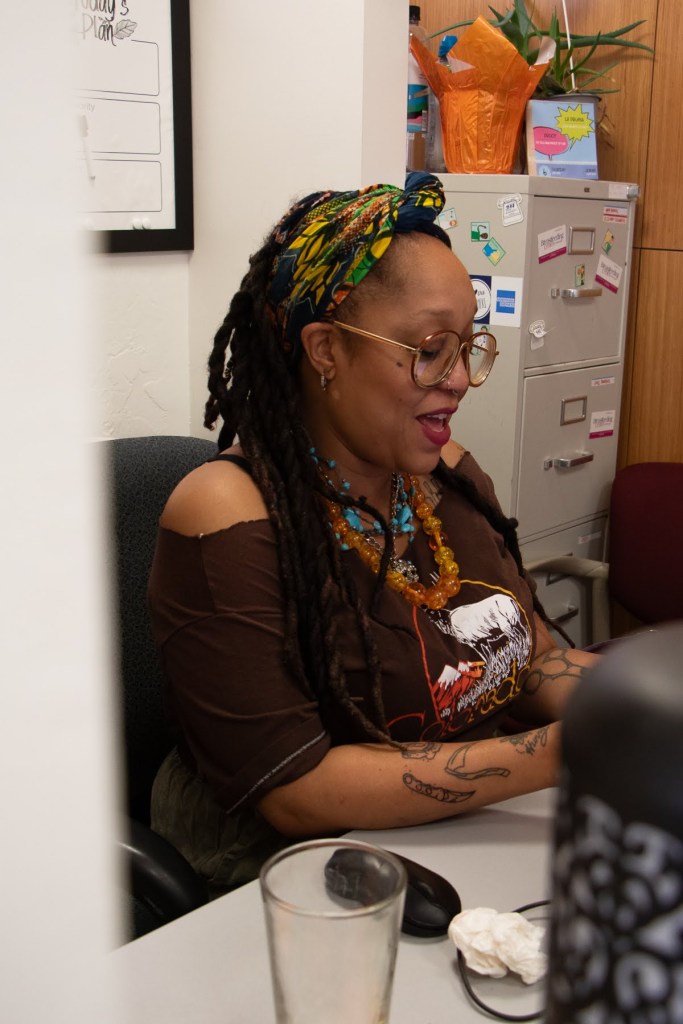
{"x":406,"y":569}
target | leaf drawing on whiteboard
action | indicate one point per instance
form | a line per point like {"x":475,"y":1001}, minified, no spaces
{"x":125,"y":28}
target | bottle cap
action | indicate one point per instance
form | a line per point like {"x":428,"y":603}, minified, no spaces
{"x":445,"y":45}
{"x":414,"y":12}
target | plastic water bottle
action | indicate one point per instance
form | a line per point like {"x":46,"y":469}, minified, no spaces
{"x":434,"y":160}
{"x":418,"y":99}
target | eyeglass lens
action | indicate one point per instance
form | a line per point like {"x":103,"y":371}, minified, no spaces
{"x":436,"y":357}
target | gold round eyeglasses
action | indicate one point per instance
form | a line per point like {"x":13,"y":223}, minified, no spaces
{"x":437,"y":354}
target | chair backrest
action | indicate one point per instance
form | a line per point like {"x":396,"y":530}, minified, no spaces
{"x":142,"y":472}
{"x":161,"y":885}
{"x":644,"y":550}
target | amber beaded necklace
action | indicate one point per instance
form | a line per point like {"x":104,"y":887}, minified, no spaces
{"x":413,"y":591}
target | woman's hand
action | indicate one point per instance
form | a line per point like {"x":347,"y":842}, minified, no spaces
{"x":551,"y":679}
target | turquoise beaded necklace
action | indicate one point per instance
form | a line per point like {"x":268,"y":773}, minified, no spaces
{"x":401,"y":509}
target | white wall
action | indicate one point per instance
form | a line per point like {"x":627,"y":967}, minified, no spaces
{"x":286,"y":98}
{"x":56,"y":763}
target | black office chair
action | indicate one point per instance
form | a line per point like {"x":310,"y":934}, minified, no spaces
{"x":141,"y":473}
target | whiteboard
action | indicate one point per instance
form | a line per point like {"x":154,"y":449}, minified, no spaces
{"x":133,"y":122}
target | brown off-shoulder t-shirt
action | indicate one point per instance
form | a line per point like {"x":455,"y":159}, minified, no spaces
{"x":245,"y":724}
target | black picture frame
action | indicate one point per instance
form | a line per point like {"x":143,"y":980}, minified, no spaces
{"x":180,"y":237}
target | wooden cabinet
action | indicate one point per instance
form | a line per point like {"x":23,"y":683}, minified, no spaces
{"x":655,"y":431}
{"x":655,"y":383}
{"x":662,"y":208}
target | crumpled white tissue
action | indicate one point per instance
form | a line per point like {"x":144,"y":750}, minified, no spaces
{"x":493,"y":943}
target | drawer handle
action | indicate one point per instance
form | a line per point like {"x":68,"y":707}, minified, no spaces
{"x":565,"y":462}
{"x":575,"y":293}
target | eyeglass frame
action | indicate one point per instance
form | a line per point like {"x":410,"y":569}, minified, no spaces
{"x":467,"y":344}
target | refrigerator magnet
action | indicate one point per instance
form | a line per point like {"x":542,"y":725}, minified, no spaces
{"x":538,"y":331}
{"x":506,"y":306}
{"x":482,"y":291}
{"x":480,"y":231}
{"x":615,"y":214}
{"x":608,"y":273}
{"x":602,"y":423}
{"x":493,"y":251}
{"x":447,"y":219}
{"x":552,"y":243}
{"x":608,"y":241}
{"x":511,"y":210}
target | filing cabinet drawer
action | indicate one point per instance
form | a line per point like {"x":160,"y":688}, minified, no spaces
{"x":568,"y":447}
{"x":579,"y":307}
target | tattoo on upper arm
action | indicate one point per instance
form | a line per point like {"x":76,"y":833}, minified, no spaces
{"x":440,"y":793}
{"x":528,"y":742}
{"x":456,"y":765}
{"x":421,"y":751}
{"x":431,"y":490}
{"x":551,"y":666}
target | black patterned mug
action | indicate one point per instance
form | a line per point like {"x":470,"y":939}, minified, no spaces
{"x":616,"y":929}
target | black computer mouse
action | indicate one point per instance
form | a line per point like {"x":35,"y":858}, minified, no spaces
{"x":359,"y":876}
{"x":431,"y":902}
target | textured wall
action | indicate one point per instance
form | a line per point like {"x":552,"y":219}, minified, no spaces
{"x":141,"y":368}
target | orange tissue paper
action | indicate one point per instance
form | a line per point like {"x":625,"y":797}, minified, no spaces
{"x":482,"y":98}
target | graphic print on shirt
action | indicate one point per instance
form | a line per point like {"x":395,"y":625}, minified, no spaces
{"x":494,"y":635}
{"x":496,"y":631}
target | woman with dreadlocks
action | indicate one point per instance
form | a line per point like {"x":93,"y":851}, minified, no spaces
{"x":339,"y":602}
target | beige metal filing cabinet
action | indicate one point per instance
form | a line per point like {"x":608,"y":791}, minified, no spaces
{"x":550,"y":263}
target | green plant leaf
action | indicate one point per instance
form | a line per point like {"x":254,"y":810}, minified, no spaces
{"x":582,"y":60}
{"x":449,"y":28}
{"x":589,"y":75}
{"x":601,"y":40}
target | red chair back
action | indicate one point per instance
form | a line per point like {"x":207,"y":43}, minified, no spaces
{"x":645,"y":547}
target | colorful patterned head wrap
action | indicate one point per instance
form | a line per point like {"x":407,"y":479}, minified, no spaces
{"x":330,"y":240}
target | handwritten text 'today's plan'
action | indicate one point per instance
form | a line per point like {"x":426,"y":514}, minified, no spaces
{"x":101,"y":19}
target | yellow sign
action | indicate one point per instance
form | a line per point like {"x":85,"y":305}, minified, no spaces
{"x":575,"y":123}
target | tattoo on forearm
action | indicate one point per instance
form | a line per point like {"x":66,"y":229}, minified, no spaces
{"x":440,"y":793}
{"x":421,"y":751}
{"x":456,"y":766}
{"x":528,"y":742}
{"x":551,"y":666}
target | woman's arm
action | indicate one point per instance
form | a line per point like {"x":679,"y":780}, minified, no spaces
{"x":377,"y":786}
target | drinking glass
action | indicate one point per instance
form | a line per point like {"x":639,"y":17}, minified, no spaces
{"x":333,"y":912}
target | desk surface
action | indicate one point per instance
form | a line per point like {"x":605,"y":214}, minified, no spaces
{"x":211,"y":966}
